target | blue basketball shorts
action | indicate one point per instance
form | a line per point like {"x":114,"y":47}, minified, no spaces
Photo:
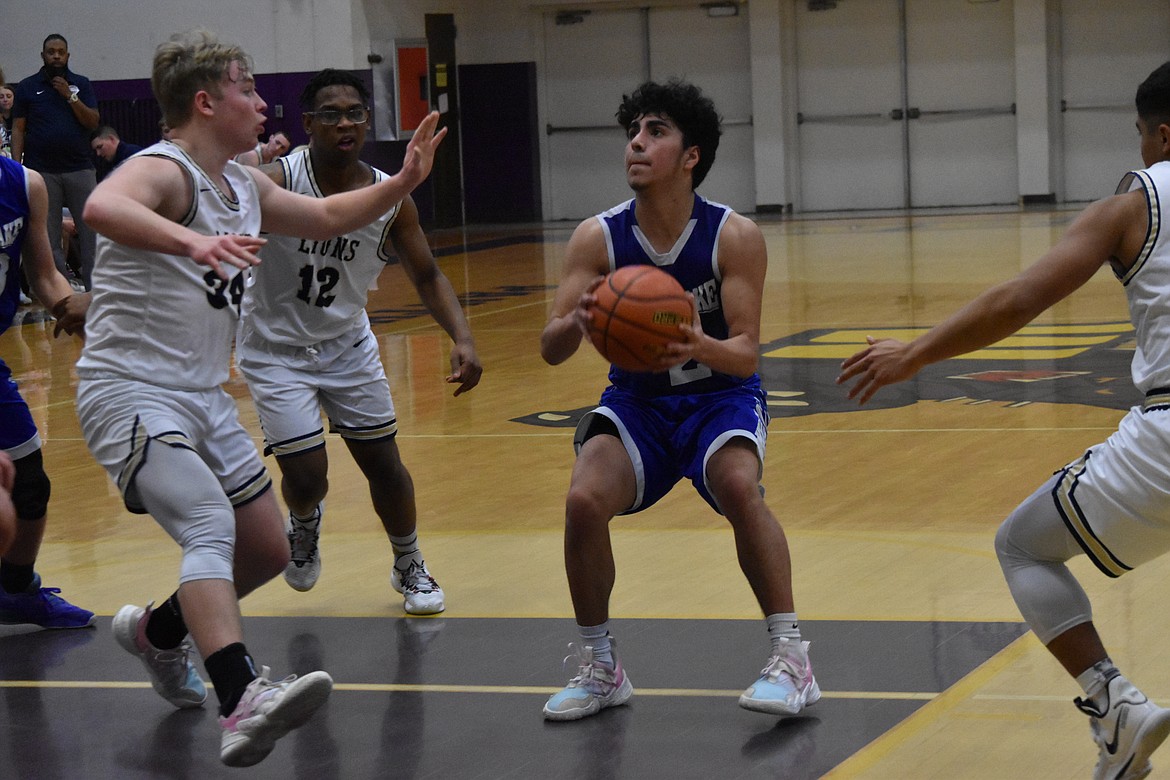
{"x":671,"y":437}
{"x":18,"y":432}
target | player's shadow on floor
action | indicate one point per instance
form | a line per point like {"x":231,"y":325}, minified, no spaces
{"x":790,"y":742}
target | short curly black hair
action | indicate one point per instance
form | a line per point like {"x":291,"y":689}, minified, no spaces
{"x":687,"y":106}
{"x":1153,"y":97}
{"x":331,"y":77}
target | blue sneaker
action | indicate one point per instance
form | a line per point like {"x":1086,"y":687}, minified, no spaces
{"x":595,"y":687}
{"x":786,"y":685}
{"x":41,"y":607}
{"x":172,"y":674}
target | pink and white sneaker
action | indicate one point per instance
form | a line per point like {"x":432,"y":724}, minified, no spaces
{"x":267,"y":711}
{"x":786,"y":685}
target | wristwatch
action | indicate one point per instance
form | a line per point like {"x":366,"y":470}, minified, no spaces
{"x":73,"y":94}
{"x":73,"y":98}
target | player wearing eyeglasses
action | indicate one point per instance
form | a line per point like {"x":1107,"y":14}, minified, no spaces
{"x":305,"y":342}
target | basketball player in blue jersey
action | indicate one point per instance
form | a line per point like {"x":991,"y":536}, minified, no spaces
{"x":1112,"y":504}
{"x":305,"y":342}
{"x":24,"y":241}
{"x":179,"y":224}
{"x":701,"y":415}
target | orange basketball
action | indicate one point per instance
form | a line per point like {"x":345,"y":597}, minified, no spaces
{"x":638,"y":312}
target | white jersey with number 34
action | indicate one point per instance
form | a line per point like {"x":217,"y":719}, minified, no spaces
{"x":162,"y":318}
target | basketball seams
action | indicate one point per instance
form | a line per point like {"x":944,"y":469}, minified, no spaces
{"x":623,"y":326}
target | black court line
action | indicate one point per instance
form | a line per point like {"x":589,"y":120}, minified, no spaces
{"x":462,"y":697}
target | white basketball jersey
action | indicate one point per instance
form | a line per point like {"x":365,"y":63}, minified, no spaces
{"x":1147,"y":283}
{"x":162,"y":318}
{"x":305,"y":292}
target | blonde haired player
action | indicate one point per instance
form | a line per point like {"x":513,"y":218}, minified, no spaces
{"x":179,"y":226}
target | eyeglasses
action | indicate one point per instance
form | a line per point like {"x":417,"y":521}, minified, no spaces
{"x":332,"y":116}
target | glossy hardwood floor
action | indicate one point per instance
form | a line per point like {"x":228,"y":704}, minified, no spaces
{"x":890,"y":511}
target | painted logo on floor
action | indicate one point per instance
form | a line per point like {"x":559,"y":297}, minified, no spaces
{"x":1085,"y":364}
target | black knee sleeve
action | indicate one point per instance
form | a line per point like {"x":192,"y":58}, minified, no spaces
{"x":30,"y":490}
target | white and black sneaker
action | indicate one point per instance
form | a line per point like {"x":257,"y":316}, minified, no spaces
{"x":1127,"y":728}
{"x":303,"y":538}
{"x":421,"y":595}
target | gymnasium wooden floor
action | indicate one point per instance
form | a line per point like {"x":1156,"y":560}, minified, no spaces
{"x":891,"y":512}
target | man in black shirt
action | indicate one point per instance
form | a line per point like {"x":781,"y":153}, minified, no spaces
{"x":53,"y":115}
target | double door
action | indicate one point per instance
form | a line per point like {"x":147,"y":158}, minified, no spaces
{"x":905,"y":103}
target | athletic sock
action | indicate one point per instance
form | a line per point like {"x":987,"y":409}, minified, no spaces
{"x":15,"y":578}
{"x":783,"y":625}
{"x":313,"y":518}
{"x":230,"y":669}
{"x":1094,"y":679}
{"x":165,"y":629}
{"x":405,"y":547}
{"x":597,"y":637}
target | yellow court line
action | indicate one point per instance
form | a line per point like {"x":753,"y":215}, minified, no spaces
{"x":932,"y":711}
{"x":536,"y":689}
{"x":493,"y":689}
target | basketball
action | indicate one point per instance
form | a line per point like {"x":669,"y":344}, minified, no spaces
{"x":638,"y":312}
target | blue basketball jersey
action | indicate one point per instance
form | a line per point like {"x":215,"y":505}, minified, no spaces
{"x":694,"y":262}
{"x":13,"y":227}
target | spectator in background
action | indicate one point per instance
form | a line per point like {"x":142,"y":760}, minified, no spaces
{"x":53,"y":114}
{"x":277,"y":145}
{"x":6,"y":96}
{"x":110,"y":150}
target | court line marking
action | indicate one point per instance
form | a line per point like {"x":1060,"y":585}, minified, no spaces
{"x":965,"y":689}
{"x":712,"y":693}
{"x":481,"y":689}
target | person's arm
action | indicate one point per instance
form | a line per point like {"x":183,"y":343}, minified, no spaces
{"x":292,"y":214}
{"x":47,"y":283}
{"x":275,"y":172}
{"x":1113,"y":228}
{"x":586,"y":262}
{"x":85,"y":108}
{"x":436,"y":293}
{"x":18,"y":128}
{"x":87,"y":116}
{"x":140,"y":205}
{"x":743,"y":263}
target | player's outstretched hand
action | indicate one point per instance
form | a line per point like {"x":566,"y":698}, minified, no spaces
{"x":420,"y":152}
{"x":215,"y":251}
{"x":465,"y":368}
{"x":882,"y":363}
{"x":69,"y":312}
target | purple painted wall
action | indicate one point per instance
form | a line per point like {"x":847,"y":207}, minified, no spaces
{"x":128,"y":105}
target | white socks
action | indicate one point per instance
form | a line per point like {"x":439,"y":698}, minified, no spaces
{"x":783,"y":625}
{"x":597,"y":637}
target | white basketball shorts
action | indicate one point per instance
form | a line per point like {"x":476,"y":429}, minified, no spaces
{"x":291,"y":385}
